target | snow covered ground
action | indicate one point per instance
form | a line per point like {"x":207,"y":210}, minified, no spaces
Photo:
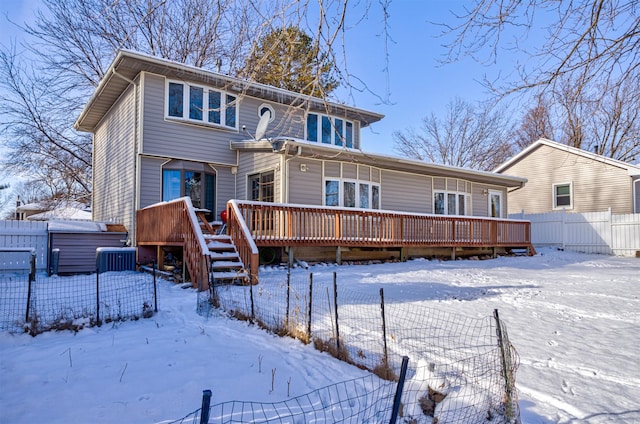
{"x":574,"y":320}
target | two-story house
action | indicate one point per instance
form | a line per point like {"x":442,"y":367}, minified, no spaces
{"x":163,"y":130}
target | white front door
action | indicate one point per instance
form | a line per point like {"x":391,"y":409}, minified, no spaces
{"x":495,"y":204}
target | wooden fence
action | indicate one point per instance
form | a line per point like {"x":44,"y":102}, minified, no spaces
{"x":24,"y":234}
{"x":590,"y":232}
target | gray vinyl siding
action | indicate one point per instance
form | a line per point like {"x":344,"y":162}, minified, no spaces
{"x":596,"y":186}
{"x":172,"y":138}
{"x":305,"y":187}
{"x":114,"y":163}
{"x":225,"y":189}
{"x":150,"y":181}
{"x":191,"y":141}
{"x":251,"y":163}
{"x":78,"y":250}
{"x":406,"y":192}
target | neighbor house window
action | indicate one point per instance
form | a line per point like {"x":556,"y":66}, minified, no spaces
{"x":329,"y":130}
{"x":351,"y":194}
{"x":562,"y":196}
{"x":203,"y":104}
{"x":450,"y":203}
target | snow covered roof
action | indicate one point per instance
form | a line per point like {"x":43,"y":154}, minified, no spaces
{"x":61,"y":213}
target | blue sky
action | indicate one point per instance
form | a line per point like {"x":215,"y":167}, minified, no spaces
{"x":414,"y":85}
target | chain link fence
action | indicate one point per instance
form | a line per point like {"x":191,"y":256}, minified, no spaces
{"x":462,"y":370}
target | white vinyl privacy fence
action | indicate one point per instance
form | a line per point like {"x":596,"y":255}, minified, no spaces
{"x":589,"y":232}
{"x":23,"y":234}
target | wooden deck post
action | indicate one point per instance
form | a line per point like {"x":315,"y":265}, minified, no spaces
{"x":339,"y":255}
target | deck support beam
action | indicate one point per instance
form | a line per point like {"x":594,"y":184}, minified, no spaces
{"x":339,"y":255}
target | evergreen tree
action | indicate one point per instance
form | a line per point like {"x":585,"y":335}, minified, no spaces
{"x":289,"y":58}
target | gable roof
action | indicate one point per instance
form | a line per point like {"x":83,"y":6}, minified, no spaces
{"x":631,"y":169}
{"x":128,"y":64}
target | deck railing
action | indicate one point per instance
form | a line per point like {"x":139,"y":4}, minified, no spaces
{"x":243,"y":240}
{"x":175,"y":223}
{"x":272,"y":224}
{"x":253,"y":224}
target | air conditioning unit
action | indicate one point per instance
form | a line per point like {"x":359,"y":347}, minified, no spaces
{"x":115,"y":259}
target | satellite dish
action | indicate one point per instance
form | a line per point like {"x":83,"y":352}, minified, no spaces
{"x":261,"y":129}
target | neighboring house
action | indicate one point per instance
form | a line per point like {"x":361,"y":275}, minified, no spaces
{"x":563,"y":177}
{"x":49,"y":211}
{"x":163,"y":130}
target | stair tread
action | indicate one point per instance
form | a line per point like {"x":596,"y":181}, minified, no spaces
{"x":227,"y":275}
{"x":226,"y":264}
{"x":227,"y":254}
{"x":220,"y":245}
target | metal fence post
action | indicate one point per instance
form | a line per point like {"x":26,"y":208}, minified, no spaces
{"x":384,"y":329}
{"x":155,"y":288}
{"x":98,"y":298}
{"x":206,"y":403}
{"x":335,"y":302}
{"x":286,"y":318}
{"x":398,"y":397}
{"x":253,"y":311}
{"x":32,"y":279}
{"x":310,"y":305}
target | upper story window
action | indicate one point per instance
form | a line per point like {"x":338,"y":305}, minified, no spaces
{"x":197,"y":103}
{"x":450,"y":203}
{"x":329,"y":130}
{"x":562,"y":196}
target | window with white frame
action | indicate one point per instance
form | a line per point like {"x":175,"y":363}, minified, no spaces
{"x":562,"y":196}
{"x":329,"y":130}
{"x":351,"y":194}
{"x":197,"y":103}
{"x":450,"y":203}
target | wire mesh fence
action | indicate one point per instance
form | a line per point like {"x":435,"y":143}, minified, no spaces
{"x":462,"y":370}
{"x":367,"y":399}
{"x":44,"y":303}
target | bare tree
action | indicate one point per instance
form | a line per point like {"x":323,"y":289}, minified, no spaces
{"x":536,"y":123}
{"x":588,"y":40}
{"x":606,"y":121}
{"x":476,"y":137}
{"x":74,"y":41}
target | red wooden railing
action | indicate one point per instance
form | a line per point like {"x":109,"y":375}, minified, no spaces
{"x":243,"y":240}
{"x":175,"y":223}
{"x":272,"y":224}
{"x":253,"y":224}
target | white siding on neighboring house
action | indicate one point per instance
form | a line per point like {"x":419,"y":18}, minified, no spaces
{"x":595,"y":185}
{"x":114,"y":163}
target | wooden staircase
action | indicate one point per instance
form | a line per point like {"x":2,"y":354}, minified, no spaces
{"x":226,"y":266}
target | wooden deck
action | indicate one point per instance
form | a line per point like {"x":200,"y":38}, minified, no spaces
{"x":252,"y":225}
